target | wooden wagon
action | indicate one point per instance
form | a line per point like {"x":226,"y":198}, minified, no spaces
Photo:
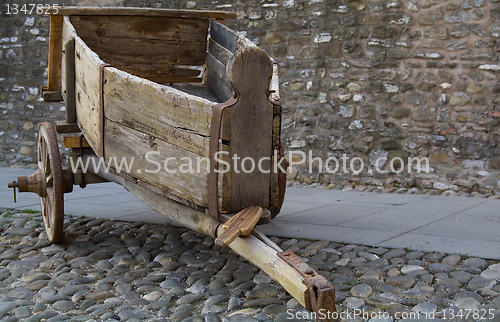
{"x":177,"y":96}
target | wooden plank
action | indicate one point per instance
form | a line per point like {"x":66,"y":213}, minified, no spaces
{"x":69,"y":80}
{"x":264,"y":219}
{"x":141,"y":27}
{"x":55,"y":49}
{"x":168,"y":195}
{"x":63,"y":128}
{"x":240,"y":224}
{"x":178,"y":213}
{"x":224,"y":36}
{"x":94,"y":11}
{"x":88,"y":119}
{"x":87,"y":66}
{"x":136,"y":120}
{"x":251,"y":127}
{"x":216,"y":78}
{"x":175,"y":79}
{"x":200,"y":90}
{"x":228,"y":38}
{"x":149,"y":51}
{"x":161,"y":73}
{"x":51,"y":96}
{"x":149,"y":153}
{"x":74,"y":142}
{"x":219,"y":52}
{"x":172,"y":115}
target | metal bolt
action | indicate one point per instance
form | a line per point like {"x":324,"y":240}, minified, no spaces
{"x":309,"y":271}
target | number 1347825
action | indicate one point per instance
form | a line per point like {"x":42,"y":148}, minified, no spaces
{"x":28,"y":9}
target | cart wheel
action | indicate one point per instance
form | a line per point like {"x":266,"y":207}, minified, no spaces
{"x":52,"y":175}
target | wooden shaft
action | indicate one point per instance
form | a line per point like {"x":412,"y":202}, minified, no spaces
{"x":264,"y":257}
{"x":69,"y":61}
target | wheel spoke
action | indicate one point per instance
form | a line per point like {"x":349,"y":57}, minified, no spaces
{"x":49,"y":181}
{"x":44,"y":153}
{"x":49,"y":201}
{"x":44,"y":208}
{"x":47,"y":160}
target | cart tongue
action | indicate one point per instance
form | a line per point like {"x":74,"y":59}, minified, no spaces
{"x":310,"y":289}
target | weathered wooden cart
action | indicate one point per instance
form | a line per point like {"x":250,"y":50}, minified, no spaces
{"x":174,"y":94}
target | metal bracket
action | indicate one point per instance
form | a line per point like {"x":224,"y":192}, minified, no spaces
{"x":215,"y":127}
{"x":101,"y":107}
{"x":82,"y":175}
{"x":321,"y":293}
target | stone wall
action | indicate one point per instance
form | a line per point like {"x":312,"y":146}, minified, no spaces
{"x":366,"y":79}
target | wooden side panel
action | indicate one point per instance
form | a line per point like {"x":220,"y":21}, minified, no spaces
{"x":167,"y":117}
{"x":156,"y":48}
{"x":160,"y":111}
{"x":150,"y":153}
{"x":155,"y":104}
{"x":251,"y":127}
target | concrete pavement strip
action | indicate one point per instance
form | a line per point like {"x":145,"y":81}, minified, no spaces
{"x":461,"y":225}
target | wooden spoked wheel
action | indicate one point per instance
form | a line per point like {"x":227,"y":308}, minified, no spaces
{"x":52,"y":177}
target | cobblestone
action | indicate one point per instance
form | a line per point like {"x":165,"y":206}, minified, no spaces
{"x":86,"y":278}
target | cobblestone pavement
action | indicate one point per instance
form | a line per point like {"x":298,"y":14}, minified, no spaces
{"x":109,"y":270}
